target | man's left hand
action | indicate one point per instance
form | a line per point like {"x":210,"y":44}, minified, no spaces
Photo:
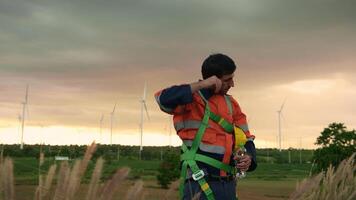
{"x":243,"y":162}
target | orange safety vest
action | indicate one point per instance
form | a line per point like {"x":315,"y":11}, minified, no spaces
{"x":187,"y":119}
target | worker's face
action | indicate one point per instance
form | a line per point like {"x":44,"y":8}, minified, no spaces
{"x":227,"y":83}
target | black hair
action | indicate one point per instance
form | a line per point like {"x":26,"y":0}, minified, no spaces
{"x":218,"y":65}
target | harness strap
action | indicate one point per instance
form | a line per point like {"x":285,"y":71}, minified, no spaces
{"x":205,"y":159}
{"x":190,"y":156}
{"x":227,"y":126}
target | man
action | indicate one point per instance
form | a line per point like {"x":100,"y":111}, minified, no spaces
{"x":205,"y":118}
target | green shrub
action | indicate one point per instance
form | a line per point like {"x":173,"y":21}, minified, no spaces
{"x":168,"y":169}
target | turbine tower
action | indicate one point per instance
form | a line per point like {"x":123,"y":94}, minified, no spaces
{"x":24,"y":108}
{"x":20,"y":124}
{"x":279,"y":126}
{"x":111,"y":122}
{"x":143,"y":106}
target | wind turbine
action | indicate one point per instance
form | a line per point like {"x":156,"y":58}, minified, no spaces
{"x":111,"y":122}
{"x":279,"y":125}
{"x":101,"y":126}
{"x":19,"y":118}
{"x":143,"y":106}
{"x":168,"y":129}
{"x":24,"y":108}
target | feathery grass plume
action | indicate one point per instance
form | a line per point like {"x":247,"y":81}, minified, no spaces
{"x":78,"y":171}
{"x":74,"y":180}
{"x":62,"y":181}
{"x":87,"y":156}
{"x":48,"y":182}
{"x":174,"y":186}
{"x":94,"y":181}
{"x":42,"y":156}
{"x":307,"y":184}
{"x":135,"y":190}
{"x":112,"y":185}
{"x":69,"y":179}
{"x":7,"y":179}
{"x":334,"y":184}
{"x":38,"y":193}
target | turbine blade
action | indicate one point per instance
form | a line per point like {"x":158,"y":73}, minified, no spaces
{"x":284,"y":119}
{"x":283,"y":104}
{"x":114,"y":109}
{"x":26,"y":97}
{"x":27,"y":112}
{"x":148,"y":116}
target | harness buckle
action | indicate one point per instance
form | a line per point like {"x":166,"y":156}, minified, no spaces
{"x":198,"y":175}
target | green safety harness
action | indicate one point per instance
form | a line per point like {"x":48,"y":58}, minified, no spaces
{"x":190,"y":156}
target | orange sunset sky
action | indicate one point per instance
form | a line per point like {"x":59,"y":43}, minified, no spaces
{"x":81,"y":57}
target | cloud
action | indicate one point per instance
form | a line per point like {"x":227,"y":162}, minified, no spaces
{"x":81,"y":57}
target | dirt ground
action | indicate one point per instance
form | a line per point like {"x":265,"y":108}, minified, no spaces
{"x":251,"y":190}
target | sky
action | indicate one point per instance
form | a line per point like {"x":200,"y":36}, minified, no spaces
{"x":80,"y":58}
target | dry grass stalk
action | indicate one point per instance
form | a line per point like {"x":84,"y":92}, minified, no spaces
{"x":70,"y":179}
{"x":38,"y":193}
{"x":135,"y":191}
{"x":87,"y":156}
{"x":94,"y":181}
{"x":307,"y":184}
{"x":78,"y":171}
{"x":41,"y":158}
{"x":7,"y":179}
{"x":74,"y":180}
{"x":334,"y":184}
{"x":49,"y":180}
{"x":62,"y":181}
{"x":112,"y":185}
{"x":172,"y":188}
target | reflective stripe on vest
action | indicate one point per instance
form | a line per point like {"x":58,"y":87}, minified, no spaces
{"x":188,"y":124}
{"x":207,"y":147}
{"x":228,"y":103}
{"x":244,"y":127}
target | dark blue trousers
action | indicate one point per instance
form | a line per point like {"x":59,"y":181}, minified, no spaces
{"x":222,"y":190}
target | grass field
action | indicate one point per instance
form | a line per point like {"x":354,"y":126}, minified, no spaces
{"x":269,"y":181}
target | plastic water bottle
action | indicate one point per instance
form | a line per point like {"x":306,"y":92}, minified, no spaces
{"x":240,"y":152}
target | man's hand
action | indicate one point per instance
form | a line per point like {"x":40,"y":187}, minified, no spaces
{"x":212,"y":82}
{"x":243,"y":162}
